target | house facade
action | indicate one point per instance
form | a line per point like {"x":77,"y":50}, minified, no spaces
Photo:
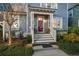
{"x":62,"y":14}
{"x":41,"y":20}
{"x":73,"y":13}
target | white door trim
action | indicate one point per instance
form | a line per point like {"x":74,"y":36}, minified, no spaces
{"x":32,"y":26}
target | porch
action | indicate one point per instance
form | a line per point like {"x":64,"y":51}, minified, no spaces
{"x":41,"y":28}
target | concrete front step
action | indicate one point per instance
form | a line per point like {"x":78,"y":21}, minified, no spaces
{"x":44,"y":42}
{"x":43,"y":38}
{"x":43,"y":34}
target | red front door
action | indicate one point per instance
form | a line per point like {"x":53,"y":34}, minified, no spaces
{"x":40,"y":24}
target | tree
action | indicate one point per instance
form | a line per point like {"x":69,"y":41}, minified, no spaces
{"x":9,"y":19}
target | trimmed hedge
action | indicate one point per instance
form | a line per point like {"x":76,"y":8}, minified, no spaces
{"x":70,"y":41}
{"x":15,"y":51}
{"x":72,"y":48}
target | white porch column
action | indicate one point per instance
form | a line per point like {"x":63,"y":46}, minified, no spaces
{"x":52,"y":30}
{"x":32,"y":26}
{"x":3,"y":30}
{"x":27,"y":17}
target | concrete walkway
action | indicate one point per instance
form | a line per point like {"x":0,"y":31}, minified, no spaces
{"x":50,"y":51}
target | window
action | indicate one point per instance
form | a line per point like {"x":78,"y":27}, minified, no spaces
{"x":44,"y":5}
{"x":71,"y":13}
{"x":35,"y":4}
{"x":54,"y":5}
{"x":58,"y":22}
{"x":16,"y":23}
{"x":78,"y":22}
{"x":48,"y":5}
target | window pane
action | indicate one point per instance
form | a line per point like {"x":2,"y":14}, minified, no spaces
{"x":43,"y":5}
{"x":48,"y":5}
{"x":35,"y":4}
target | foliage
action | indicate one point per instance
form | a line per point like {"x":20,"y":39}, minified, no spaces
{"x":69,"y":47}
{"x":47,"y":30}
{"x":3,"y":47}
{"x":73,"y":30}
{"x":19,"y":42}
{"x":70,"y":42}
{"x":29,"y":38}
{"x":1,"y":35}
{"x":71,"y":37}
{"x":59,"y":36}
{"x":15,"y":51}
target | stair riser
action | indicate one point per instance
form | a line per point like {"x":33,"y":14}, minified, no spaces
{"x":40,"y":42}
{"x":43,"y":38}
{"x":42,"y":35}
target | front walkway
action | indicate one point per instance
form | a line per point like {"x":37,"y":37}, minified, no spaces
{"x":50,"y":51}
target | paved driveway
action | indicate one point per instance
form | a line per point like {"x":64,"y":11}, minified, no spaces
{"x":50,"y":51}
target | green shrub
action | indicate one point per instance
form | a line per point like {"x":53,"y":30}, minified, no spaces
{"x":73,"y":30}
{"x":71,"y":37}
{"x":59,"y":37}
{"x":1,"y":35}
{"x":2,"y":48}
{"x":29,"y":38}
{"x":47,"y":30}
{"x":17,"y":51}
{"x":19,"y":42}
{"x":25,"y":41}
{"x":70,"y":42}
{"x":69,"y":47}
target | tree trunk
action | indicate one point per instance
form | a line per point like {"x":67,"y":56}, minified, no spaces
{"x":10,"y":40}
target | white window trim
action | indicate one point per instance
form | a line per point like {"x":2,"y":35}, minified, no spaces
{"x":40,"y":4}
{"x":78,"y":22}
{"x":56,"y":6}
{"x":72,"y":12}
{"x":46,"y":5}
{"x":18,"y":19}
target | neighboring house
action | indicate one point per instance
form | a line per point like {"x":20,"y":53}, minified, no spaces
{"x":73,"y":13}
{"x":41,"y":20}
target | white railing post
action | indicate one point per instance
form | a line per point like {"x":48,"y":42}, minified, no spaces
{"x":3,"y":30}
{"x":52,"y":30}
{"x":27,"y":23}
{"x":32,"y":26}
